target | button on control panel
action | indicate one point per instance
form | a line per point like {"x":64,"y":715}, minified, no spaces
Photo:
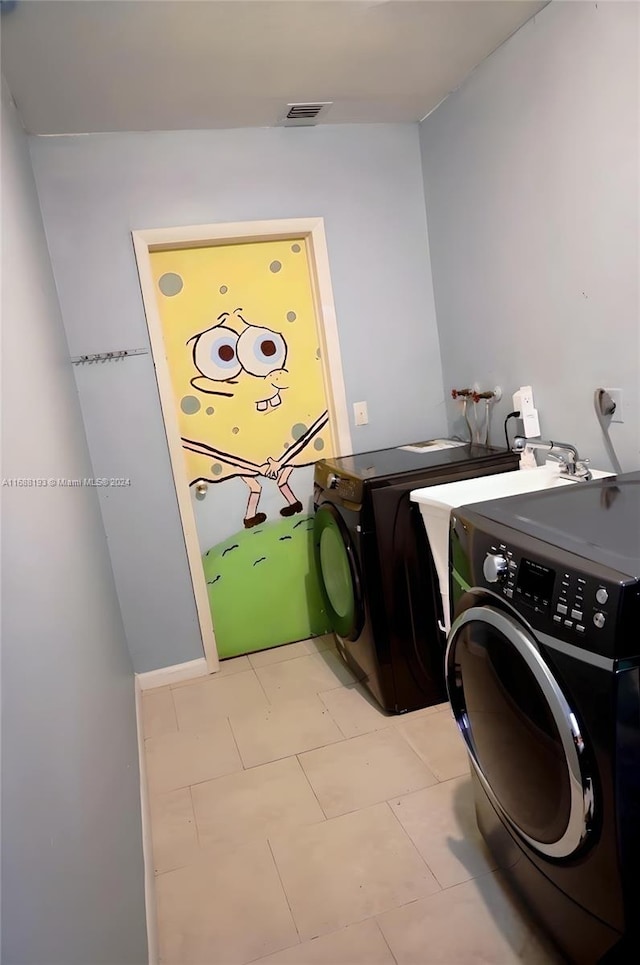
{"x":586,"y":610}
{"x":570,"y":601}
{"x":583,"y":610}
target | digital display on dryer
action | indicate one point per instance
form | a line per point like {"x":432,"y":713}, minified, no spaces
{"x":535,"y":583}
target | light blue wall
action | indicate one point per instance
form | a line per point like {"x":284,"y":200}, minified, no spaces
{"x":365,"y":181}
{"x":72,"y":867}
{"x":532,"y":190}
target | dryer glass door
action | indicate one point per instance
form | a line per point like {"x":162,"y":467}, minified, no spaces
{"x":337,"y":565}
{"x":522,"y":737}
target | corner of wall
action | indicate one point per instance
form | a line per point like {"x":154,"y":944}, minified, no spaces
{"x":147,"y":846}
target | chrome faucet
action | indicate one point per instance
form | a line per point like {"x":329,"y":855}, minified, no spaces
{"x":564,"y":452}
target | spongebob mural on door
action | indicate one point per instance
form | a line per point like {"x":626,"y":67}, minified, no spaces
{"x":241,"y":340}
{"x":245,"y":364}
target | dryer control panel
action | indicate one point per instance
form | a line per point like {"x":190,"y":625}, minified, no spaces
{"x":557,"y":599}
{"x":347,"y":488}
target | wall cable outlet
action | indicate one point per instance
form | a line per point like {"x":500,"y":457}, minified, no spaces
{"x":615,"y":395}
{"x":360,"y":414}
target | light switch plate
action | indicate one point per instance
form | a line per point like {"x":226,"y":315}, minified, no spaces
{"x":360,"y":413}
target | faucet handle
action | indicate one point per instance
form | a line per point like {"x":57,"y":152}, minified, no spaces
{"x":582,"y":469}
{"x":560,"y":458}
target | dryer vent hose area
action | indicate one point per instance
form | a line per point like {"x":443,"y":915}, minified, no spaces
{"x":605,"y":407}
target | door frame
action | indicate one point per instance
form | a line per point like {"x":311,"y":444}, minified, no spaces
{"x":147,"y":241}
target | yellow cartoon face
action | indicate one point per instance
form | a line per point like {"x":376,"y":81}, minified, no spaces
{"x":248,"y":380}
{"x":249,"y":361}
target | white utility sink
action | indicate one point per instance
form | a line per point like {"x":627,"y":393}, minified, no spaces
{"x":436,"y":503}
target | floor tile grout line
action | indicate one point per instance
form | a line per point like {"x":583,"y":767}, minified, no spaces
{"x":300,"y":656}
{"x":328,"y":710}
{"x":415,"y":750}
{"x":266,"y":695}
{"x":370,"y":804}
{"x":254,"y":767}
{"x":273,"y":663}
{"x":240,"y":770}
{"x":305,"y":693}
{"x":201,"y":681}
{"x":384,"y":937}
{"x":207,"y":780}
{"x":297,"y":755}
{"x":280,"y":705}
{"x":389,"y":721}
{"x":313,"y":790}
{"x":284,"y":757}
{"x":175,"y":711}
{"x":284,"y":892}
{"x":235,"y":742}
{"x":413,"y":845}
{"x":195,"y":816}
{"x":455,"y":884}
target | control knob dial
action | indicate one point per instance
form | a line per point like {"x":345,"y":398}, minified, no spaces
{"x":495,"y":567}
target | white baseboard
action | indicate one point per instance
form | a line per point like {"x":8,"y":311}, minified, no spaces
{"x":147,"y":847}
{"x":172,"y":675}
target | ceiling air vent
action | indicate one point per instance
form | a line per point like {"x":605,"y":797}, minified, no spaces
{"x":304,"y":115}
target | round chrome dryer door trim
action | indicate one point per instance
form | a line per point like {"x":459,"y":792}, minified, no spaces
{"x":581,"y":786}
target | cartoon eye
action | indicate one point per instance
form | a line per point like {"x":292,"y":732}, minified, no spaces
{"x":261,"y":351}
{"x":215,"y":353}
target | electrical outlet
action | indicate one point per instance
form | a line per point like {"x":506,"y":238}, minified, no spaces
{"x":616,"y":395}
{"x":526,"y":398}
{"x":360,"y":414}
{"x":523,"y":399}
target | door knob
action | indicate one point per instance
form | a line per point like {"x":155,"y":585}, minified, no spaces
{"x":202,"y":488}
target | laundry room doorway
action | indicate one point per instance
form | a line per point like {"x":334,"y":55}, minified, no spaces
{"x":244,"y":339}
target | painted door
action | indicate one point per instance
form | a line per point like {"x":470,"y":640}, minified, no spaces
{"x":241,"y":340}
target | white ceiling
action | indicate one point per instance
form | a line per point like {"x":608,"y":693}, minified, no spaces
{"x":130,"y":65}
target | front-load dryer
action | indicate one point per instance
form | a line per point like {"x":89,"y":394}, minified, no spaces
{"x":376,"y":571}
{"x":543,"y":676}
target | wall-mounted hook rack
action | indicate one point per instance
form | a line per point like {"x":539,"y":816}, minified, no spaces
{"x":108,"y":356}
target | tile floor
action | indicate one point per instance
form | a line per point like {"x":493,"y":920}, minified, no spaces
{"x":294,"y":823}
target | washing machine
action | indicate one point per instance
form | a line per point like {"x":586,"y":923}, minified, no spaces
{"x":543,"y":676}
{"x":376,"y":572}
